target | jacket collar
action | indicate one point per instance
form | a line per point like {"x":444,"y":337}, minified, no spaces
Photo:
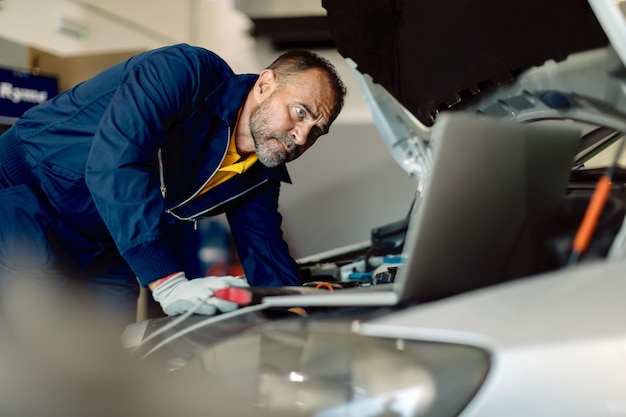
{"x":229,"y":96}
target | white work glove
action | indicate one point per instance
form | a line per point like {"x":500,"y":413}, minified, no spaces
{"x":178,"y":295}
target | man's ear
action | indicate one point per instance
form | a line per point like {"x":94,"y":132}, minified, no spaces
{"x":265,"y":84}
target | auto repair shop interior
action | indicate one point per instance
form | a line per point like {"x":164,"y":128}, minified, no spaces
{"x":442,"y":179}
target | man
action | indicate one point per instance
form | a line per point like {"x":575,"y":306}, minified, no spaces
{"x":91,"y":180}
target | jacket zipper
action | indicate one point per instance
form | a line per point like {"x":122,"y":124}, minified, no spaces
{"x":194,"y":217}
{"x":164,"y":188}
{"x":161,"y":174}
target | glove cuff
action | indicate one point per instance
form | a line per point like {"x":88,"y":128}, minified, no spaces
{"x":169,"y":282}
{"x":163,"y":280}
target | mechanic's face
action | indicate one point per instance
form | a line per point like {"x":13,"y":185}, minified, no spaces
{"x":291,"y":118}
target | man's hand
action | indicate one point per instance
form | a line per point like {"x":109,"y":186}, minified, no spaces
{"x":177,"y":294}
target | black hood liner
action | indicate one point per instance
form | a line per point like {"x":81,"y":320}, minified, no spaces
{"x":433,"y":55}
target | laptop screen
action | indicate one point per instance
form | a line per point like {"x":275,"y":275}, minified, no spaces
{"x":494,"y":188}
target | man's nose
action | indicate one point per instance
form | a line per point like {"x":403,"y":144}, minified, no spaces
{"x":300,"y":134}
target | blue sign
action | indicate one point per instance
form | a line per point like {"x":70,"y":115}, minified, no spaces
{"x":21,"y":89}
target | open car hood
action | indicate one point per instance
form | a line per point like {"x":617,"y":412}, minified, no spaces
{"x":436,"y":55}
{"x":524,"y":61}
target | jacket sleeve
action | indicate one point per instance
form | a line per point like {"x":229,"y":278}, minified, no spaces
{"x":157,"y":90}
{"x":256,"y":230}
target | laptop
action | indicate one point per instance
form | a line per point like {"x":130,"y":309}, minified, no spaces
{"x":494,"y":188}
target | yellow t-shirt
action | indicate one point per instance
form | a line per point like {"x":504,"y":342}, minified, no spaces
{"x":232,"y":164}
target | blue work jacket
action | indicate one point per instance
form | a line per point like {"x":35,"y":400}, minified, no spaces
{"x":126,"y":151}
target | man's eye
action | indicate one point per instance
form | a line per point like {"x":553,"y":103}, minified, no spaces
{"x":300,"y":113}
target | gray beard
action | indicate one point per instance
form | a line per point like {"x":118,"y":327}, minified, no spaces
{"x":270,"y":153}
{"x":267,"y":144}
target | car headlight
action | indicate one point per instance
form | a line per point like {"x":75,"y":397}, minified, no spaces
{"x":327,"y":371}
